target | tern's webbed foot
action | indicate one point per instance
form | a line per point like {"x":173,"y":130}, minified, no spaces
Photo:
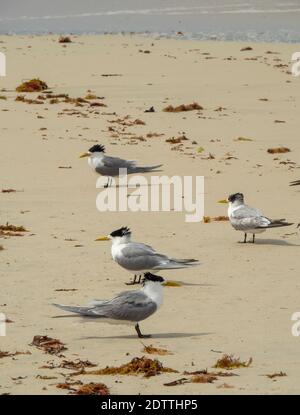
{"x":145,"y":336}
{"x":140,"y":335}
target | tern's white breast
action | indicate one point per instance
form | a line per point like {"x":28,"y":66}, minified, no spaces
{"x":154,"y":291}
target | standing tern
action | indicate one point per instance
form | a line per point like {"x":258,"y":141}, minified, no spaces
{"x":110,"y":166}
{"x":247,"y":219}
{"x":129,"y":307}
{"x":139,"y":258}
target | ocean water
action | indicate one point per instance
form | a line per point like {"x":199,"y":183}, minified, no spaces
{"x":252,"y":20}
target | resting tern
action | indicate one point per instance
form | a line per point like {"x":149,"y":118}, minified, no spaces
{"x":247,"y":219}
{"x":129,"y":307}
{"x":110,"y":166}
{"x":138,"y":258}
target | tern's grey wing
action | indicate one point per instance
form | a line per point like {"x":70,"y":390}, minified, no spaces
{"x":246,"y":218}
{"x":116,"y":162}
{"x":129,"y":306}
{"x":109,"y":166}
{"x":137,"y":256}
{"x":246,"y":212}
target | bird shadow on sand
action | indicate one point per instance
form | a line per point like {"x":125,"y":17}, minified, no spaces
{"x":277,"y":242}
{"x":153,"y":336}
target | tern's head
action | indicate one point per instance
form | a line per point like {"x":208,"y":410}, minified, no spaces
{"x":152,"y":279}
{"x":119,"y":236}
{"x":94,"y":151}
{"x":236,"y":198}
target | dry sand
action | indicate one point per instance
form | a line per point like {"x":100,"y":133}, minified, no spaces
{"x":241,"y":299}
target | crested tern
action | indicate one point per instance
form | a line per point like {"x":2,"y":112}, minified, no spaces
{"x":129,"y":307}
{"x":247,"y":219}
{"x":110,"y":166}
{"x":138,"y":258}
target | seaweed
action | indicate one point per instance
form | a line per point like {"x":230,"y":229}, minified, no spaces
{"x":48,"y":345}
{"x":155,"y":350}
{"x":230,"y":362}
{"x":9,"y":354}
{"x":92,"y":389}
{"x":276,"y":375}
{"x":183,"y":107}
{"x":12,"y":228}
{"x":209,"y":219}
{"x":76,"y":364}
{"x":64,"y":39}
{"x":243,"y":139}
{"x":137,"y":366}
{"x":22,"y":98}
{"x":34,"y":85}
{"x":278,"y":150}
{"x":177,"y":140}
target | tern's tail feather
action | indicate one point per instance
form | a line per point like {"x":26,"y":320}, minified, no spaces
{"x":178,"y":264}
{"x":145,"y":169}
{"x":83,"y":311}
{"x":295,"y":183}
{"x":279,"y":224}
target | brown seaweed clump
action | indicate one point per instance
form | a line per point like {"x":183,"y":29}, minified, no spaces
{"x":137,"y":366}
{"x":183,"y":107}
{"x":277,"y":150}
{"x":64,"y":39}
{"x":209,"y":219}
{"x":92,"y":389}
{"x":11,"y":230}
{"x":84,"y":389}
{"x":34,"y":85}
{"x":230,"y":362}
{"x":155,"y":350}
{"x":176,"y":140}
{"x":76,"y":364}
{"x":49,"y":345}
{"x":22,"y":98}
{"x":276,"y":375}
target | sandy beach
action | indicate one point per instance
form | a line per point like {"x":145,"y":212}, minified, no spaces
{"x":241,"y":298}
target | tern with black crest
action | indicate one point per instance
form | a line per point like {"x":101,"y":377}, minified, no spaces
{"x":110,"y":166}
{"x":247,"y":219}
{"x":129,"y":307}
{"x":138,"y":258}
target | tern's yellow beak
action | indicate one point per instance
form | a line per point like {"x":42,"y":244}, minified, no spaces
{"x":102,"y":238}
{"x":171,"y":284}
{"x":223,"y":201}
{"x":84,"y":155}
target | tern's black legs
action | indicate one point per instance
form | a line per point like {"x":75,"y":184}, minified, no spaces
{"x":135,"y":281}
{"x":109,"y":183}
{"x":253,"y":238}
{"x":141,"y":336}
